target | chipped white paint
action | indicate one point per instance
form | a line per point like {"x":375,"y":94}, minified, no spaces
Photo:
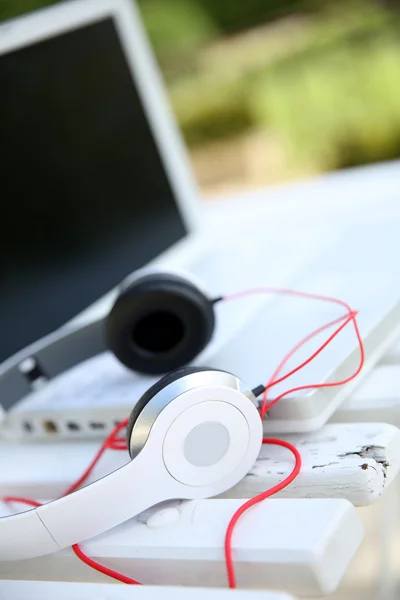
{"x":377,"y":398}
{"x":37,"y":590}
{"x":302,"y":547}
{"x":355,"y":461}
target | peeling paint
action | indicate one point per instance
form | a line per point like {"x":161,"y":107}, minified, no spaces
{"x":376,"y":453}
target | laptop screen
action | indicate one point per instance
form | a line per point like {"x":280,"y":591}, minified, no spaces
{"x":84,"y":195}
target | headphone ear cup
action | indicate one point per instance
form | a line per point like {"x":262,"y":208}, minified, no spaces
{"x":153,"y":390}
{"x":159,"y":323}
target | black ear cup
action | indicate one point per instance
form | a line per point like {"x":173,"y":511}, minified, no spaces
{"x":158,"y":323}
{"x":153,"y":390}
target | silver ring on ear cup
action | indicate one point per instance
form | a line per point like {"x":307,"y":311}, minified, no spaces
{"x":153,"y":390}
{"x":140,"y":427}
{"x":159,"y":323}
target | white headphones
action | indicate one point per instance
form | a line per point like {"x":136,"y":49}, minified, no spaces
{"x":194,"y":434}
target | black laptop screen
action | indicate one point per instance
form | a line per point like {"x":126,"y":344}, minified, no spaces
{"x":84,"y":196}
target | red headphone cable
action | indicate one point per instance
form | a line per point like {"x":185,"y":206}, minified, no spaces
{"x":115,"y":443}
{"x":351,"y":316}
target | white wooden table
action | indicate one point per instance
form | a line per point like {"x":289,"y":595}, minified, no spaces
{"x":378,"y":399}
{"x":345,"y":464}
{"x":311,"y":209}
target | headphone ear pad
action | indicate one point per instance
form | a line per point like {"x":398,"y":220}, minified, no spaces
{"x":159,"y":323}
{"x":154,"y":389}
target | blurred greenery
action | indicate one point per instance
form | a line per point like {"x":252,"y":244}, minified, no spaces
{"x":209,"y":108}
{"x":14,"y":8}
{"x":231,"y":15}
{"x":338,"y":111}
{"x":176,"y":30}
{"x":175,"y":25}
{"x":320,"y":77}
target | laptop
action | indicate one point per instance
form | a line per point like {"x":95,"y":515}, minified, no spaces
{"x":89,"y":154}
{"x":95,"y":180}
{"x":98,"y":184}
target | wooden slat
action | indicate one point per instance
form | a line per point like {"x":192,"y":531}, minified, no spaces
{"x":302,"y":547}
{"x":355,"y":461}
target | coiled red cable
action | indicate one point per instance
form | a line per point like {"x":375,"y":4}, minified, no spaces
{"x":350,"y":316}
{"x":117,"y":443}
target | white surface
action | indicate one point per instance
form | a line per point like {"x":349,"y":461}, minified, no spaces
{"x":392,"y":356}
{"x":159,"y":472}
{"x":36,"y":590}
{"x":376,"y":399}
{"x":299,"y":546}
{"x":356,"y":461}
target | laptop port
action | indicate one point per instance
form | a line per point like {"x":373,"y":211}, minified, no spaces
{"x":50,"y":426}
{"x":72,"y":426}
{"x":96,"y":425}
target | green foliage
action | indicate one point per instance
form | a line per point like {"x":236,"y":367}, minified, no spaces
{"x":176,"y":25}
{"x":14,"y":8}
{"x":176,"y":29}
{"x":210,"y":108}
{"x":336,"y":111}
{"x":233,"y":15}
{"x":330,"y":93}
{"x":333,"y":101}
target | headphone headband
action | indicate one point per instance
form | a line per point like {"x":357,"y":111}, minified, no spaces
{"x":170,"y":465}
{"x":49,"y":357}
{"x":162,"y":308}
{"x":194,"y":434}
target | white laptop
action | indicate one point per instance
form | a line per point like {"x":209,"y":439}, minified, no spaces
{"x":81,"y":100}
{"x":96,"y":181}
